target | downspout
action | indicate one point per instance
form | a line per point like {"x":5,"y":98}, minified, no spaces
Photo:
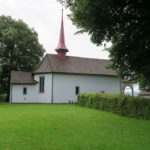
{"x":52,"y":89}
{"x":10,"y":98}
{"x":121,"y":87}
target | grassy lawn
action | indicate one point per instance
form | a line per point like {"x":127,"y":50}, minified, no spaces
{"x":69,"y":127}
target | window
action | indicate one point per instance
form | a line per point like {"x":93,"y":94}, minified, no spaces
{"x":41,"y":85}
{"x":77,"y":90}
{"x":24,"y":91}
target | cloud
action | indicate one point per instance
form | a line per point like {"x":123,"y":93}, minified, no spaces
{"x":44,"y":16}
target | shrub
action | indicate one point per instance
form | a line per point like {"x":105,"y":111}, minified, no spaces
{"x":137,"y":107}
{"x":3,"y":97}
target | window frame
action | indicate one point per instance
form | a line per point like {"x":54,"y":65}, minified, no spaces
{"x":77,"y":90}
{"x":41,"y":84}
{"x":24,"y":91}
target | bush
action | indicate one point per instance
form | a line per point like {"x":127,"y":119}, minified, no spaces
{"x":137,"y":107}
{"x":3,"y":97}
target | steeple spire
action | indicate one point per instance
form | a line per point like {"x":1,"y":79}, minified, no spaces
{"x":61,"y":48}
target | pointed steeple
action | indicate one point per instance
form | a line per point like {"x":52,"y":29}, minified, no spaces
{"x":61,"y":48}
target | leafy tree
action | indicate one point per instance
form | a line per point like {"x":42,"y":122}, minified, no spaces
{"x":4,"y":79}
{"x":126,"y":24}
{"x":143,"y":83}
{"x":19,"y":48}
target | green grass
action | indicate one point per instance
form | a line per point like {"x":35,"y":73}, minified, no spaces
{"x":69,"y":127}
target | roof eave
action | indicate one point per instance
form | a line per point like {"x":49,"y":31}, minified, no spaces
{"x":75,"y":73}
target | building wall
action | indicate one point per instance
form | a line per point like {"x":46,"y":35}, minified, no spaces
{"x":33,"y":94}
{"x":64,"y":86}
{"x":17,"y":94}
{"x":46,"y":96}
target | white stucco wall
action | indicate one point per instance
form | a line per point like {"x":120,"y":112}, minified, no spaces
{"x":64,"y":86}
{"x":46,"y":96}
{"x":17,"y":94}
{"x":33,"y":94}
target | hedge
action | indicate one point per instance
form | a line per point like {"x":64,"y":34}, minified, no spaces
{"x":137,"y":107}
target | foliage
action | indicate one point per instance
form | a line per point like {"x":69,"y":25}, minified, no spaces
{"x":2,"y":97}
{"x":137,"y":107}
{"x":126,"y":24}
{"x":0,"y":68}
{"x":144,"y":83}
{"x":19,"y":48}
{"x":69,"y":127}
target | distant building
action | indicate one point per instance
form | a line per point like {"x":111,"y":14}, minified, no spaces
{"x":60,"y":78}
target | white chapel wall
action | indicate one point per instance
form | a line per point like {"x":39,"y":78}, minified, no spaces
{"x":46,"y":96}
{"x":33,"y":95}
{"x":17,"y":94}
{"x":64,"y":86}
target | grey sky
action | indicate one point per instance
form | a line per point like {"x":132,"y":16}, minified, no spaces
{"x":45,"y":16}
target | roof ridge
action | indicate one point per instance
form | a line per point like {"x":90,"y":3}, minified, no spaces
{"x":82,"y":57}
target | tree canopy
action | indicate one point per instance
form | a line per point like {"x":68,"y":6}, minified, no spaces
{"x":126,"y":24}
{"x":20,"y":49}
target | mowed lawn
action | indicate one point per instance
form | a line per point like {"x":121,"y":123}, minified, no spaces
{"x":69,"y":127}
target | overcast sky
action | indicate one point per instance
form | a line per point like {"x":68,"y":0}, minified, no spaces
{"x":45,"y":16}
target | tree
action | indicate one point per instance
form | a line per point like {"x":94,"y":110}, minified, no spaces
{"x":126,"y":24}
{"x":19,"y":48}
